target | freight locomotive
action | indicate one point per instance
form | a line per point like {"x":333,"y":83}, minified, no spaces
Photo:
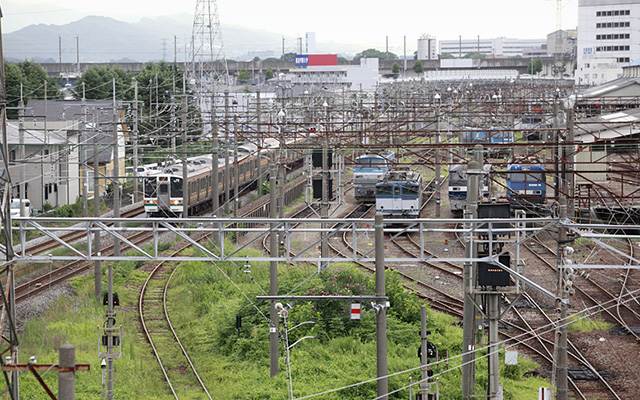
{"x":399,"y":193}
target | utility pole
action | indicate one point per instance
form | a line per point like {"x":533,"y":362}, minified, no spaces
{"x":260,"y":143}
{"x":424,"y":360}
{"x":273,"y":274}
{"x":78,"y":52}
{"x":437,"y":166}
{"x":83,"y":155}
{"x":324,"y":207}
{"x":381,"y":312}
{"x":227,"y":172}
{"x":110,"y":322}
{"x":116,"y":172}
{"x":60,"y":50}
{"x":186,"y":193}
{"x":236,"y":172}
{"x":97,"y":268}
{"x":404,"y":71}
{"x":136,"y":182}
{"x":474,"y":171}
{"x":565,"y":288}
{"x":215,"y":201}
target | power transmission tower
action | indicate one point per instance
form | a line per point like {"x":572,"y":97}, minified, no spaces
{"x":208,"y":66}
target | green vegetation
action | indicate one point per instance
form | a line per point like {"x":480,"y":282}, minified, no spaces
{"x":373,"y":53}
{"x":203,"y":302}
{"x":268,"y":74}
{"x":32,"y":77}
{"x":534,"y":66}
{"x":417,"y":67}
{"x":395,"y":68}
{"x":98,"y":83}
{"x":584,"y":323}
{"x":243,"y":76}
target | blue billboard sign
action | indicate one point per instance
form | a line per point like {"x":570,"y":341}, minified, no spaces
{"x":302,"y":60}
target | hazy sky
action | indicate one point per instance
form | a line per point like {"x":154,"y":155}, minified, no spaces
{"x":332,"y":20}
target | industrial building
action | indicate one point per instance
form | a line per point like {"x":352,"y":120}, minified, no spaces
{"x":608,"y":34}
{"x":501,"y":46}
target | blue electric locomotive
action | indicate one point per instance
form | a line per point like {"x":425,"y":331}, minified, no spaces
{"x":526,"y":185}
{"x":367,"y":171}
{"x":399,"y":194}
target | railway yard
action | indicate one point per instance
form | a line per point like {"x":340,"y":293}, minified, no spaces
{"x":570,"y":232}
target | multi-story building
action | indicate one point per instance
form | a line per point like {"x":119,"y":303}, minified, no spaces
{"x":427,"y":49}
{"x":491,"y":47}
{"x":608,"y":35}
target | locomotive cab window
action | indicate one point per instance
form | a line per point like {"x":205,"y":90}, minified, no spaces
{"x":410,"y":191}
{"x":385,"y":190}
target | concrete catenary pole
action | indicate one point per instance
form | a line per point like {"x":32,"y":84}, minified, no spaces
{"x":97,"y":267}
{"x":469,"y":314}
{"x":260,"y":143}
{"x":563,"y":305}
{"x":424,"y":376}
{"x":381,"y":312}
{"x":236,"y":171}
{"x":110,"y":323}
{"x":227,"y":172}
{"x":186,"y":193}
{"x":67,"y":379}
{"x":82,"y":138}
{"x":273,"y":275}
{"x":116,"y":172}
{"x":136,"y":182}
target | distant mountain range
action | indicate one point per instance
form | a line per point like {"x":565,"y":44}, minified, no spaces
{"x":105,"y":39}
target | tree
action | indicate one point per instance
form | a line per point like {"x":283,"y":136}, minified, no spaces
{"x":445,"y":56}
{"x":268,"y":74}
{"x":475,"y":54}
{"x":32,"y":77}
{"x":373,"y":53}
{"x":156,"y":82}
{"x":534,"y":66}
{"x":256,"y":58}
{"x":417,"y":67}
{"x":243,"y":76}
{"x":98,"y":83}
{"x":289,"y":57}
{"x":395,"y":68}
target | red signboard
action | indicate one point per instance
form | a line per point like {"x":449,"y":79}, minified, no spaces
{"x":323,"y":59}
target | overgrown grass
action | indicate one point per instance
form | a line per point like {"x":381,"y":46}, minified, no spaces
{"x":204,"y":300}
{"x":585,"y":324}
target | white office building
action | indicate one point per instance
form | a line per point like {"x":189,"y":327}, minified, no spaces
{"x":608,"y":36}
{"x":491,"y":47}
{"x":355,"y":77}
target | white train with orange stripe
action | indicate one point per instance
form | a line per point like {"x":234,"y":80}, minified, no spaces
{"x":164,"y":192}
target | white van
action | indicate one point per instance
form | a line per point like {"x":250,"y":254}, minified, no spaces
{"x":15,"y":207}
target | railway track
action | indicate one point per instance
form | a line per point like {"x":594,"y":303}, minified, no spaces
{"x":178,"y":370}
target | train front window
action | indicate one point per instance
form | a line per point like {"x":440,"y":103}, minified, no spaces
{"x":150,"y":186}
{"x":410,"y":191}
{"x":176,"y":187}
{"x":385,"y":190}
{"x":457,"y":179}
{"x":516,"y":177}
